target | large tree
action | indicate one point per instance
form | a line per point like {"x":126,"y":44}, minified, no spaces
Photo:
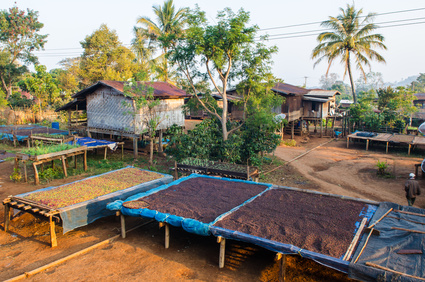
{"x":19,"y":38}
{"x":105,"y":57}
{"x":222,"y":52}
{"x":350,"y":38}
{"x":169,"y":26}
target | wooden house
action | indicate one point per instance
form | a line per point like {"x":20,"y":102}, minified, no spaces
{"x":293,"y":105}
{"x":235,"y":110}
{"x":319,"y":104}
{"x":109,"y":111}
{"x":419,"y":103}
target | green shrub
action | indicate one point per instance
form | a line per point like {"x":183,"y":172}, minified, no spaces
{"x":382,"y":167}
{"x":289,"y":143}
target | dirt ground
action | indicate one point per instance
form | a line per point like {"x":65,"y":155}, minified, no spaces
{"x":142,"y":257}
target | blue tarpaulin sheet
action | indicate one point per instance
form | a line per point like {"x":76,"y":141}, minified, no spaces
{"x":5,"y":131}
{"x":90,"y":142}
{"x":282,"y":247}
{"x":188,"y":224}
{"x":382,"y":250}
{"x":87,"y":212}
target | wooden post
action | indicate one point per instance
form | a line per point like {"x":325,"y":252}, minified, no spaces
{"x":408,"y":152}
{"x":348,"y":141}
{"x":64,"y":166}
{"x":367,"y":144}
{"x":222,"y":255}
{"x":122,"y":151}
{"x":123,"y":233}
{"x":326,"y":127}
{"x":386,"y":150}
{"x":292,"y":129}
{"x":167,"y":235}
{"x":85,"y":160}
{"x":36,"y":179}
{"x":176,"y":174}
{"x":53,"y":241}
{"x":160,"y":149}
{"x":25,"y":171}
{"x":135,"y":147}
{"x":104,"y":157}
{"x":28,"y":142}
{"x":7,"y":214}
{"x":281,"y":258}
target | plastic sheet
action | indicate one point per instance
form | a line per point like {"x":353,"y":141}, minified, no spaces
{"x":87,"y":212}
{"x":189,"y":225}
{"x":5,"y":129}
{"x":90,"y":142}
{"x":382,"y":250}
{"x":335,"y":263}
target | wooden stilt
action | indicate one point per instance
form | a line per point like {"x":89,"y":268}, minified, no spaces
{"x":281,"y":258}
{"x":367,"y":145}
{"x":135,"y":147}
{"x":167,"y":235}
{"x":292,"y":129}
{"x":222,"y":255}
{"x":386,"y":150}
{"x":408,"y":152}
{"x":64,"y":166}
{"x":160,"y":149}
{"x":25,"y":171}
{"x":7,"y":215}
{"x":122,"y":151}
{"x":85,"y":160}
{"x":36,"y":179}
{"x":176,"y":174}
{"x":348,"y":142}
{"x":53,"y":241}
{"x":104,"y":157}
{"x":122,"y":217}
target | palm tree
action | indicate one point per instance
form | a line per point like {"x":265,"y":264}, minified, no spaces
{"x":350,"y":36}
{"x":169,"y":27}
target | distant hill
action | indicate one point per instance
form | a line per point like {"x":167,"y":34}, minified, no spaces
{"x":403,"y":82}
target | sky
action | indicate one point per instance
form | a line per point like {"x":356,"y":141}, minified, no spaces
{"x":67,"y":23}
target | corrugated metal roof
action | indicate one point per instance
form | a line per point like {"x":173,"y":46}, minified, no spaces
{"x":288,"y":89}
{"x":315,"y":99}
{"x":420,"y":96}
{"x":323,"y":93}
{"x":161,"y":89}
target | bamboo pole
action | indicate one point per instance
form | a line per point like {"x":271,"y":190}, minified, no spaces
{"x":393,"y":271}
{"x":364,"y":246}
{"x":371,"y":226}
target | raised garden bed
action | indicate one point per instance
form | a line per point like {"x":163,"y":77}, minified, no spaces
{"x":44,"y":152}
{"x":82,"y":191}
{"x":217,"y":168}
{"x":318,"y":223}
{"x":202,"y":198}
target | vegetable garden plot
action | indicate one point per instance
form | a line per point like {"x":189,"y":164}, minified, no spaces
{"x":82,"y":202}
{"x":192,"y":202}
{"x":293,"y":221}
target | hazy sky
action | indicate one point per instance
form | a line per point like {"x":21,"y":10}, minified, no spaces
{"x":69,"y":22}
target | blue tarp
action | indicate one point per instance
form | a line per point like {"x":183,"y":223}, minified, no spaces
{"x":188,"y":224}
{"x":87,"y":212}
{"x":6,"y":129}
{"x":90,"y":142}
{"x":335,"y":263}
{"x":382,"y":250}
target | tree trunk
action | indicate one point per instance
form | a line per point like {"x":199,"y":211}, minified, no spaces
{"x":224,"y":114}
{"x":151,"y":149}
{"x":350,"y":75}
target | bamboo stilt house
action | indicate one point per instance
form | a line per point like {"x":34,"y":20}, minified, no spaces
{"x":109,"y":111}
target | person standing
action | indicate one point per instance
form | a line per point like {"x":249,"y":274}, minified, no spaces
{"x":412,"y":189}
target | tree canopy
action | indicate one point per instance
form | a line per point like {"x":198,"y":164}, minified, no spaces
{"x":351,"y":39}
{"x":19,"y":38}
{"x":222,"y":52}
{"x":105,"y":57}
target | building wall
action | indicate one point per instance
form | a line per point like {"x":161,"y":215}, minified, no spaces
{"x":110,"y":110}
{"x":169,"y":112}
